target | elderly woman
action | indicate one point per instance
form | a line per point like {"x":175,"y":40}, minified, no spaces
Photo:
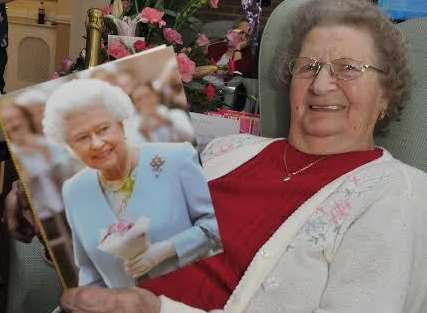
{"x":329,"y":222}
{"x":121,"y":183}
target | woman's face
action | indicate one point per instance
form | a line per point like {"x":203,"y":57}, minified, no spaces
{"x":37,"y":110}
{"x":96,"y":138}
{"x":15,"y":124}
{"x":330,"y":115}
{"x":126,"y":82}
{"x":145,"y":99}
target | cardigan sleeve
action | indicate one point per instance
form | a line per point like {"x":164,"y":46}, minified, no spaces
{"x":203,"y":237}
{"x":373,"y":265}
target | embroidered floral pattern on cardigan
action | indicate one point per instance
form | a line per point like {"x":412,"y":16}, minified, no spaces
{"x":221,"y":146}
{"x":341,"y":207}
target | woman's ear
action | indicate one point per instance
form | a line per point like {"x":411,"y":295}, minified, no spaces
{"x":383,"y":107}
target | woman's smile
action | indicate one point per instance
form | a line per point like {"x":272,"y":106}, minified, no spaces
{"x":328,"y":108}
{"x":103,"y":155}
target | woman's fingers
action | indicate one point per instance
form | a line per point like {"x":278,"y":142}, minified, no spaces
{"x":17,"y":224}
{"x":135,"y":260}
{"x":137,"y":270}
{"x":103,"y":300}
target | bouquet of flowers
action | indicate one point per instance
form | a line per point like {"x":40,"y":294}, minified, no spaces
{"x":125,"y":239}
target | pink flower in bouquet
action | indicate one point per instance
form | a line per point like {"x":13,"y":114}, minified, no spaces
{"x":231,"y":66}
{"x":118,"y":228}
{"x":152,"y":16}
{"x":187,"y":68}
{"x":202,"y":40}
{"x":117,"y":50}
{"x":233,"y":39}
{"x":67,"y":65}
{"x":210,"y":92}
{"x":139,"y":45}
{"x":172,"y":36}
{"x":214,"y":3}
{"x":107,"y":10}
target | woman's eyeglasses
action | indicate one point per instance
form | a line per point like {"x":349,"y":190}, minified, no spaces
{"x":342,"y":69}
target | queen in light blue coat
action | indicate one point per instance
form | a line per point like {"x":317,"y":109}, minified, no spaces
{"x":161,"y":181}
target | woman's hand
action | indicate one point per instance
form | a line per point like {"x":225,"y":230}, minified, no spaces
{"x":103,"y":300}
{"x":16,"y":206}
{"x":153,"y":256}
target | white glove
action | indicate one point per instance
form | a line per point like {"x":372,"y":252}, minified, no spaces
{"x":153,"y":256}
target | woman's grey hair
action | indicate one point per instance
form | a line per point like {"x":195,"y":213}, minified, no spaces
{"x":362,"y":14}
{"x":83,"y":93}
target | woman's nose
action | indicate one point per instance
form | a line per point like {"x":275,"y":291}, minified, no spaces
{"x":96,"y":141}
{"x":324,"y":81}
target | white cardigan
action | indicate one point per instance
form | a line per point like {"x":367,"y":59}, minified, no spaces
{"x":358,"y":245}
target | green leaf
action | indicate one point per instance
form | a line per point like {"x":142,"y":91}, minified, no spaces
{"x":159,"y":5}
{"x":194,"y":20}
{"x":138,"y":5}
{"x":171,"y":12}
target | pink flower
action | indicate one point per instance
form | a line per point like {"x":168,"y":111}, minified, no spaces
{"x":202,"y":40}
{"x":233,"y":39}
{"x":152,"y":16}
{"x":187,"y":68}
{"x":172,"y":36}
{"x":231,"y":66}
{"x":139,"y":45}
{"x":214,"y":3}
{"x":67,"y":64}
{"x":117,"y":50}
{"x":118,"y":228}
{"x":210,"y":92}
{"x":107,"y":10}
{"x":121,"y":227}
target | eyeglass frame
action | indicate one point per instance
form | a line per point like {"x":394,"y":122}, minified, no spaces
{"x":319,"y":64}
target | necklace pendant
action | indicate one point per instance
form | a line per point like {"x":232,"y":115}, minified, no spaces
{"x":287,"y":178}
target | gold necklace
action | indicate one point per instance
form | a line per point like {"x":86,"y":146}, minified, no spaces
{"x":289,"y":175}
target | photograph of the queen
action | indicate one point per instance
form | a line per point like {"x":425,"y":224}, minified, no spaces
{"x":135,"y":212}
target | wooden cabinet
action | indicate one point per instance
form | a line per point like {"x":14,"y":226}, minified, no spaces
{"x":31,"y":52}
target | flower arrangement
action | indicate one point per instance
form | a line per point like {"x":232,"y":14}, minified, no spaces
{"x":171,"y":22}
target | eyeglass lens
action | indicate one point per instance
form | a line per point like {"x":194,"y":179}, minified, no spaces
{"x":344,"y":68}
